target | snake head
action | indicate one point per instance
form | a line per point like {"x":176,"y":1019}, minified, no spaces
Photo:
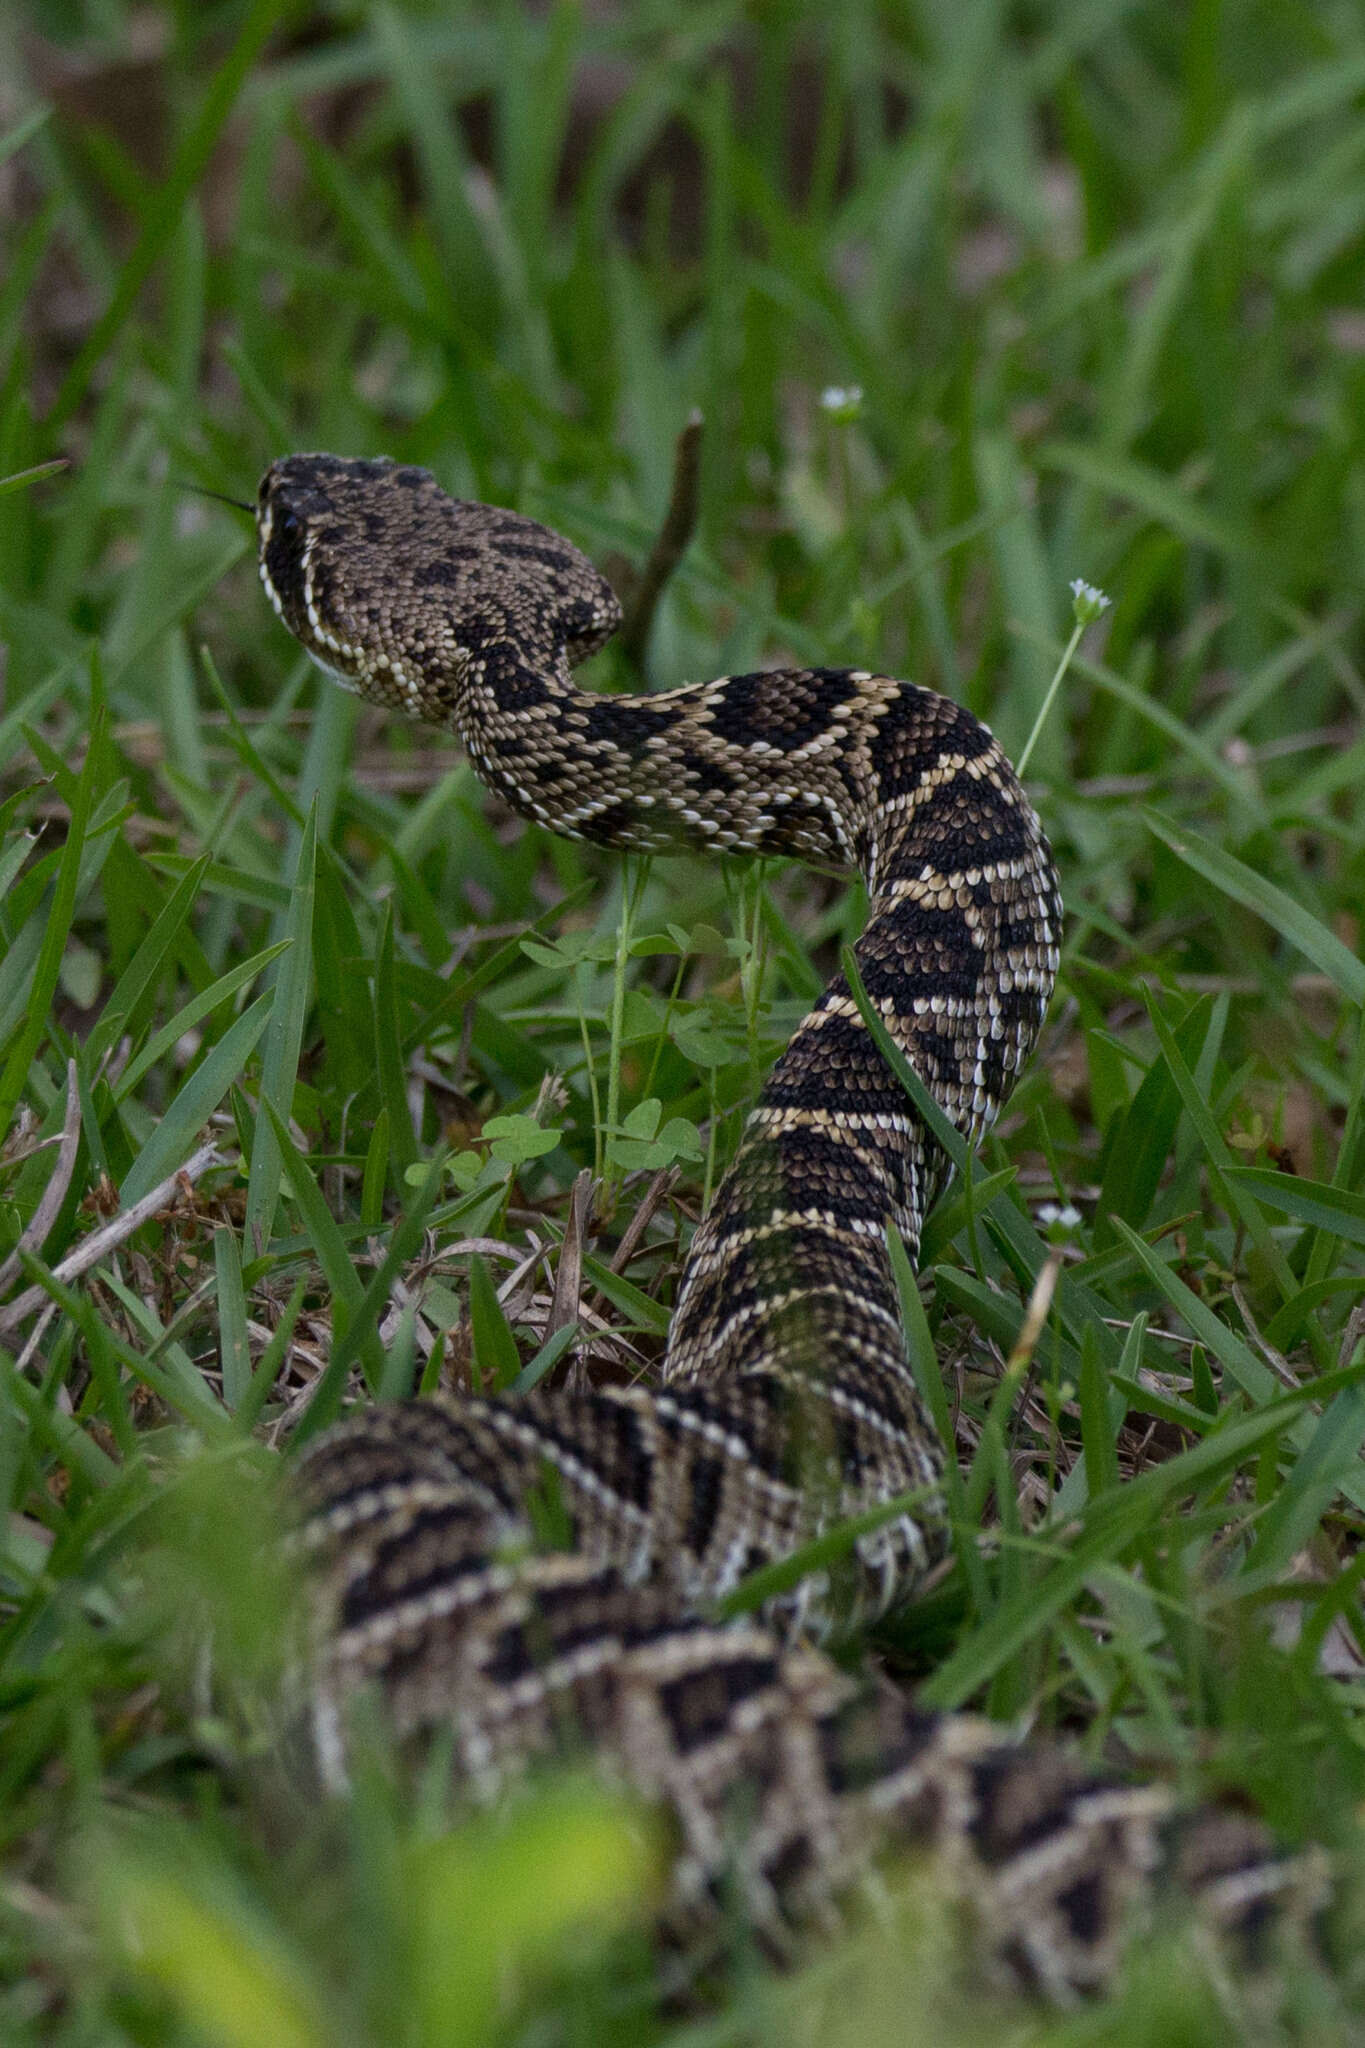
{"x":310,"y":514}
{"x":395,"y":588}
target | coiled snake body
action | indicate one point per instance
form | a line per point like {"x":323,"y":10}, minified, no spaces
{"x":786,"y":1400}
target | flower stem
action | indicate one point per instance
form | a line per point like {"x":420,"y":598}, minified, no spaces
{"x":1063,"y":665}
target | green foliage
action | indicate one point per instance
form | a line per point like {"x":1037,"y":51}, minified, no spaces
{"x":644,"y":1141}
{"x":979,"y":304}
{"x":442,"y":1938}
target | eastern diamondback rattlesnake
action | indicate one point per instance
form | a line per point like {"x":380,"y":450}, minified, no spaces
{"x":785,"y":1399}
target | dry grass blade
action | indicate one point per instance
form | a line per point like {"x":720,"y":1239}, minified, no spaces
{"x":54,"y":1194}
{"x":112,"y":1234}
{"x":564,"y":1303}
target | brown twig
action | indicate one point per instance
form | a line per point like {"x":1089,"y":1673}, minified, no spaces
{"x":660,"y":1186}
{"x":668,"y":550}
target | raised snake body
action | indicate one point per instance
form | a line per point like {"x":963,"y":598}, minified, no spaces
{"x":786,"y":1401}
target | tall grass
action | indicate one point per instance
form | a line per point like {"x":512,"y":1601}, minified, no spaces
{"x":1095,"y":273}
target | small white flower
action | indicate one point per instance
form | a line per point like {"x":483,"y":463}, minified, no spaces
{"x":1058,"y":1219}
{"x":843,"y":402}
{"x":1086,"y":602}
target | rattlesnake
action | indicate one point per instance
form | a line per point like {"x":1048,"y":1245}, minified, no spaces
{"x":785,"y":1400}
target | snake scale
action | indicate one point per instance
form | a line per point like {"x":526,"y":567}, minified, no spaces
{"x":785,"y":1401}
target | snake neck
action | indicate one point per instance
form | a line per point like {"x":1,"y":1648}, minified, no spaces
{"x":776,"y":762}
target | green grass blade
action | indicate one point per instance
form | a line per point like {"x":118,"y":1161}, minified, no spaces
{"x":1097,"y":1432}
{"x":1110,"y":1526}
{"x":24,"y":129}
{"x":272,"y":1358}
{"x":329,"y":1248}
{"x":1218,"y":1157}
{"x":1329,"y":1459}
{"x":1313,"y":1202}
{"x":192,"y":1015}
{"x":546,"y":1358}
{"x":360,"y":1336}
{"x":1290,"y":919}
{"x":163,"y":219}
{"x":1142,"y":1144}
{"x":388,"y":1043}
{"x":56,"y":928}
{"x":149,"y":960}
{"x":643,"y":1311}
{"x":233,"y":1353}
{"x":284,"y":1039}
{"x":497,"y":1362}
{"x":175,"y":1135}
{"x":1134,"y":483}
{"x":1031,"y":597}
{"x":928,"y":1374}
{"x":1235,"y":1357}
{"x":20,"y":479}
